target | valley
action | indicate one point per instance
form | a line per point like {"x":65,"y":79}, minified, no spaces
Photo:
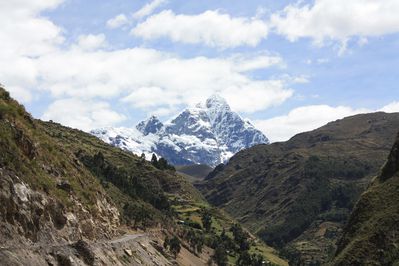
{"x":298,"y":195}
{"x":68,"y":198}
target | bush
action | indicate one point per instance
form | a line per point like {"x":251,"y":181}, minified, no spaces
{"x":206,"y":219}
{"x":125,"y":180}
{"x":220,"y":256}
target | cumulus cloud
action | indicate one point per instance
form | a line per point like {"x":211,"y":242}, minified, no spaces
{"x":85,"y":115}
{"x":303,"y":119}
{"x":91,"y":42}
{"x":306,"y":118}
{"x":338,"y":20}
{"x":117,"y":21}
{"x":25,"y":35}
{"x":148,"y":9}
{"x":210,"y":28}
{"x":161,"y":81}
{"x":157,"y":79}
{"x":391,"y":108}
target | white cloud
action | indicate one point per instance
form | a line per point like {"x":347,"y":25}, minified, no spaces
{"x":210,"y":28}
{"x":85,"y":115}
{"x":148,"y":9}
{"x":257,"y":61}
{"x":156,"y":79}
{"x":117,"y":21}
{"x":25,"y":35}
{"x":303,"y":119}
{"x":157,"y":82}
{"x":391,"y":108}
{"x":306,"y":118}
{"x":91,"y":42}
{"x":337,"y":20}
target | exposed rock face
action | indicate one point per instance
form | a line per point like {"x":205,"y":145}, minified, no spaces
{"x":208,"y":134}
{"x":31,"y":216}
{"x":371,"y":236}
{"x":150,"y":126}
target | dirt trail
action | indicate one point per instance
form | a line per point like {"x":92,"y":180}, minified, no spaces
{"x":125,"y":238}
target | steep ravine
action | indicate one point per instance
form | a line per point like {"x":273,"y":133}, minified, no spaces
{"x":371,"y":236}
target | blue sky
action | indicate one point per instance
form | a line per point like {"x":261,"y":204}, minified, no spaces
{"x":289,"y":66}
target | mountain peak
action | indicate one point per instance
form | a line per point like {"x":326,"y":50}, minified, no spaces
{"x":216,"y":102}
{"x":209,"y":133}
{"x":151,"y":125}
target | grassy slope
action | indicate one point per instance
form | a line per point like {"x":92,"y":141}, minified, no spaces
{"x":44,"y":154}
{"x":270,"y":190}
{"x":372,"y":234}
{"x":195,"y":172}
{"x":191,"y":211}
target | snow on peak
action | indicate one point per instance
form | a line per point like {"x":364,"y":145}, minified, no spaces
{"x":208,"y":133}
{"x":151,"y":125}
{"x":217,"y":102}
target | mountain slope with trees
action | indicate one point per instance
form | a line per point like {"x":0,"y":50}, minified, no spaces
{"x":371,"y":236}
{"x":297,"y":195}
{"x":67,"y":198}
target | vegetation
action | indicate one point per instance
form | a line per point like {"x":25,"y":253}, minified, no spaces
{"x":46,"y":155}
{"x":228,"y":239}
{"x":220,"y":256}
{"x":196,"y":240}
{"x":173,"y":244}
{"x":300,"y":193}
{"x":74,"y":167}
{"x":206,"y":219}
{"x":161,"y":164}
{"x":371,"y":236}
{"x":322,"y":200}
{"x":125,"y":180}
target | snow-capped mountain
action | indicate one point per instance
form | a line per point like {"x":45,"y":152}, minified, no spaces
{"x":209,"y":134}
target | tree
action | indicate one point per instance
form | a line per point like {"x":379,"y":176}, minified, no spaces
{"x":195,"y":240}
{"x":257,"y":260}
{"x":220,"y":256}
{"x":175,"y":246}
{"x":240,"y":237}
{"x":162,"y":164}
{"x":142,"y":157}
{"x":166,"y":243}
{"x":244,"y":259}
{"x":206,"y":220}
{"x":154,"y":160}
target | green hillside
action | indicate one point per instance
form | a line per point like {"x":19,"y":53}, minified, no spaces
{"x":59,"y":186}
{"x":371,"y":236}
{"x":297,"y":195}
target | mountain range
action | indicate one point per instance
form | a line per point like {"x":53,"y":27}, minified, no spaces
{"x":209,"y":133}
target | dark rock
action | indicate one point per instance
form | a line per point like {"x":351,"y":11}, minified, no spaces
{"x":64,"y":185}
